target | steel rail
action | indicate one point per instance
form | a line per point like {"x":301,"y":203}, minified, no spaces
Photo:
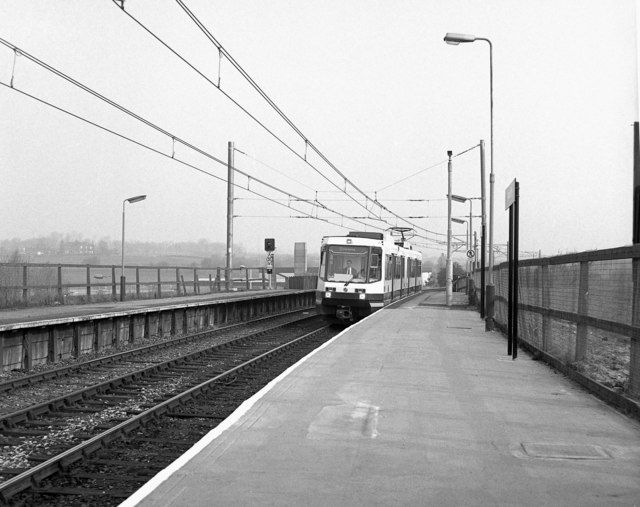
{"x":33,"y":379}
{"x":47,"y":468}
{"x":59,"y":403}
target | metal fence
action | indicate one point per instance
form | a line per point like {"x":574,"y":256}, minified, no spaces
{"x":37,"y":284}
{"x":582,"y":310}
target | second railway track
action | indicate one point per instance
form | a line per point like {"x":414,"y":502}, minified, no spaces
{"x":42,"y":440}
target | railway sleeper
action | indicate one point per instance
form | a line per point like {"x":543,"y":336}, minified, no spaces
{"x":11,"y":472}
{"x":9,"y":442}
{"x":71,"y":411}
{"x":80,"y":492}
{"x":24,"y":432}
{"x":194,"y":415}
{"x":43,"y":424}
{"x":100,"y":476}
{"x":132,"y":465}
{"x":113,"y":397}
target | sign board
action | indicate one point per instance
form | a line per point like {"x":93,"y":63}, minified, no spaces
{"x":471,"y":254}
{"x":510,"y":195}
{"x":270,"y":263}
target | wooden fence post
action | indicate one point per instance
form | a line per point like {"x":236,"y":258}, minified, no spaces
{"x":264,"y":278}
{"x":546,"y":303}
{"x":25,"y":290}
{"x":113,"y":283}
{"x":246,"y":271}
{"x":137,"y":281}
{"x":580,"y":352}
{"x":178,"y":280}
{"x":196,"y":282}
{"x":89,"y":284}
{"x":159,"y":285}
{"x":218,"y":279}
{"x":60,"y":296}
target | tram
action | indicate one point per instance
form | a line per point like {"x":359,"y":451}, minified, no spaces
{"x":365,"y":271}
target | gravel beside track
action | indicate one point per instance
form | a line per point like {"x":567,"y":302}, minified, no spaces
{"x":37,"y":439}
{"x":54,"y":380}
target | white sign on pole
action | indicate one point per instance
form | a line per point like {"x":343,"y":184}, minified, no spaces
{"x":510,"y":195}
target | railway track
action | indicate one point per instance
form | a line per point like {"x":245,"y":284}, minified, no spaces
{"x":21,"y":379}
{"x":22,"y":390}
{"x":44,"y":442}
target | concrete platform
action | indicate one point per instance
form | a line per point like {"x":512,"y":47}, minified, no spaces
{"x":46,"y":315}
{"x":415,"y":405}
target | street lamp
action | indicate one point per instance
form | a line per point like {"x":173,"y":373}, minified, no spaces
{"x":455,"y":39}
{"x":130,"y":200}
{"x":449,"y":267}
{"x":460,"y":221}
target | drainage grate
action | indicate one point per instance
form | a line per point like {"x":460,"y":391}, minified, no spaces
{"x":565,"y":451}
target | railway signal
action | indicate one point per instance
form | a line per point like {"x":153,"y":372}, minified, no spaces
{"x":269,"y":244}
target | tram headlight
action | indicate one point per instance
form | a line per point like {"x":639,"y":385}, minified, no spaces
{"x":327,"y":294}
{"x":361,"y":296}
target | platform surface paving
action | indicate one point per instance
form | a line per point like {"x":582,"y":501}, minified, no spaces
{"x":45,"y":315}
{"x":415,"y":405}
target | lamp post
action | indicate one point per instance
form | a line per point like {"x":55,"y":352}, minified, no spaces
{"x":449,"y":267}
{"x":459,"y":198}
{"x":459,"y":221}
{"x":455,"y":39}
{"x":130,"y":200}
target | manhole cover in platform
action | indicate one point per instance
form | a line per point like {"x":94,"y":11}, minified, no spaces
{"x":565,"y":451}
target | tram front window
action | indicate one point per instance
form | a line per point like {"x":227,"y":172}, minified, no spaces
{"x":343,"y":263}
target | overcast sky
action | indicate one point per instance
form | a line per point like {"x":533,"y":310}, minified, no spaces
{"x":370,"y":84}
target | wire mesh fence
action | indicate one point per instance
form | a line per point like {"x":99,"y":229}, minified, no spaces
{"x":582,"y":309}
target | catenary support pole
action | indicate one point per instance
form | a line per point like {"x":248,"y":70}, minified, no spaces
{"x":230,"y":170}
{"x":449,"y":267}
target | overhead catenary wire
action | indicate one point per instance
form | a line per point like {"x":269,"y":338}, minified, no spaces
{"x":148,"y":123}
{"x":308,"y":143}
{"x":221,"y":51}
{"x":437,"y":164}
{"x":159,"y":152}
{"x":274,"y":169}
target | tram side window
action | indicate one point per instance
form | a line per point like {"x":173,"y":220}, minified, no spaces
{"x":375,"y":264}
{"x":388,"y":267}
{"x":322,"y":271}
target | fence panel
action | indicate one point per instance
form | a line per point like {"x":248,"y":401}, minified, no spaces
{"x":24,"y":284}
{"x":581,"y":309}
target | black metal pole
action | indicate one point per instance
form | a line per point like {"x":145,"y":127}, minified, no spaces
{"x":483,"y":249}
{"x":510,"y":285}
{"x":636,"y":183}
{"x":516,"y":233}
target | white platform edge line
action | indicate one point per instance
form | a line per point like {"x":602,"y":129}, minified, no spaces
{"x":233,"y":418}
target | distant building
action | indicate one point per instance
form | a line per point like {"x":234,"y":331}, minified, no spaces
{"x":299,"y":258}
{"x":77,"y":248}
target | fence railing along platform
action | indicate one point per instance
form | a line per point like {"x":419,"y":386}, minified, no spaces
{"x":38,"y":284}
{"x":582,"y":310}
